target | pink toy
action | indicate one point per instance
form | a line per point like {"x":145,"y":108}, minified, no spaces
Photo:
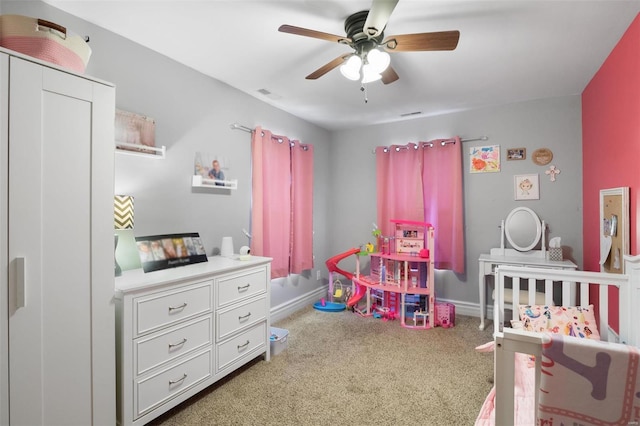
{"x":323,"y":302}
{"x":445,"y":314}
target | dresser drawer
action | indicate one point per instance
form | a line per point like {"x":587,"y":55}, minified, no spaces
{"x":233,"y":288}
{"x":162,"y":309}
{"x":156,"y":349}
{"x":238,"y":317}
{"x":155,"y":390}
{"x":243,"y":345}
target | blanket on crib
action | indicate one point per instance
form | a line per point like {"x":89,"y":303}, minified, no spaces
{"x":588,"y":382}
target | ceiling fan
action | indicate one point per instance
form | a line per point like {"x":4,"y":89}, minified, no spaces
{"x":365,"y":35}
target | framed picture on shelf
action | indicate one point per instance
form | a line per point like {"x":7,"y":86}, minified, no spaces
{"x":134,"y":132}
{"x":169,"y":251}
{"x":527,"y":187}
{"x":516,"y":153}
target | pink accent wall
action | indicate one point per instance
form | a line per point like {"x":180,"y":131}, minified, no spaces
{"x":611,"y":144}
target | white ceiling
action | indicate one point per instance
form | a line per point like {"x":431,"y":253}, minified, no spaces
{"x":509,"y":50}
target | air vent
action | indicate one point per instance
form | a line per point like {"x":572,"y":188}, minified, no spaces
{"x":268,"y":94}
{"x":409,"y":114}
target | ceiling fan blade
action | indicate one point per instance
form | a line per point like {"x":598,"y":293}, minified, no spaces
{"x":443,"y":40}
{"x":327,"y":67}
{"x":314,"y":34}
{"x":389,"y":75}
{"x":378,"y":17}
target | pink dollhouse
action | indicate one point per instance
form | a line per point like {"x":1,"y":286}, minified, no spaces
{"x":400,"y":283}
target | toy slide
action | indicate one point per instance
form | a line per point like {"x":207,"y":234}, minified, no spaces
{"x":332,"y":262}
{"x":359,"y":294}
{"x":332,"y":266}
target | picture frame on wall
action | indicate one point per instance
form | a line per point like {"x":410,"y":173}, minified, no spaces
{"x":527,"y":187}
{"x":484,"y":159}
{"x":516,"y":153}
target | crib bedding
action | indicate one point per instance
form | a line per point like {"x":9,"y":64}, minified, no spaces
{"x":588,"y":382}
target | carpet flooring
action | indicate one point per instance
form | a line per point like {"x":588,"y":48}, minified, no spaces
{"x":339,"y":368}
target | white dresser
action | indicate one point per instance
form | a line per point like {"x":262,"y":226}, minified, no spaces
{"x":180,"y":330}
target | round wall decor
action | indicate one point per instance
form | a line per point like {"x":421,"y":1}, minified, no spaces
{"x":542,"y":156}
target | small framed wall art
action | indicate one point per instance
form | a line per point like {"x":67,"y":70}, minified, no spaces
{"x":516,"y":153}
{"x":484,"y":159}
{"x":527,"y":187}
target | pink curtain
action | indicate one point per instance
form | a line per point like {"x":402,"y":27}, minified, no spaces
{"x":282,"y":201}
{"x":271,"y":214}
{"x":301,"y":207}
{"x":443,"y":208}
{"x":399,"y":185}
{"x":423,"y":182}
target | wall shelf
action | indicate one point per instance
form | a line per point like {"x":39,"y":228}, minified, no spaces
{"x":141,"y":150}
{"x":201,"y":182}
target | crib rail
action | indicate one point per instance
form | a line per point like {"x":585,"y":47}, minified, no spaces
{"x":508,"y":343}
{"x":574,"y":290}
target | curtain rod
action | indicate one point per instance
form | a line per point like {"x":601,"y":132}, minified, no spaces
{"x":443,"y":142}
{"x":236,"y":126}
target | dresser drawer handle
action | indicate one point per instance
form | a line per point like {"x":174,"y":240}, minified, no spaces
{"x":241,"y":317}
{"x":173,"y":345}
{"x":243,"y":345}
{"x":181,"y":379}
{"x":175,"y":308}
{"x":243,"y":287}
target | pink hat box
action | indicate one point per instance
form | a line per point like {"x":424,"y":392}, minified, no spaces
{"x":44,"y":40}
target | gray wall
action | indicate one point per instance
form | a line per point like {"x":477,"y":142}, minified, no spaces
{"x":193,"y":113}
{"x":551,"y":123}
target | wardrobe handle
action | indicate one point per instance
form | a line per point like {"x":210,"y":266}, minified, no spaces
{"x":21,"y":297}
{"x":241,"y":317}
{"x":244,"y":287}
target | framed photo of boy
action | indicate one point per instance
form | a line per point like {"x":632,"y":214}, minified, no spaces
{"x":526,"y":187}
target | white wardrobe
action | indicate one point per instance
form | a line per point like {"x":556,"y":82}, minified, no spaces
{"x":57,"y":339}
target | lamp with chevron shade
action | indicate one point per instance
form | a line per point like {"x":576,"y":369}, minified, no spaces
{"x":123,"y":219}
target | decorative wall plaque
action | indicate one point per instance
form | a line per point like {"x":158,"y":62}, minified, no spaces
{"x":542,"y":156}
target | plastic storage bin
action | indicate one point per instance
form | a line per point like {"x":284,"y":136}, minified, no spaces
{"x":278,"y":340}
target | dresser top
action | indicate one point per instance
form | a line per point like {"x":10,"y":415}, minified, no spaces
{"x":137,"y":279}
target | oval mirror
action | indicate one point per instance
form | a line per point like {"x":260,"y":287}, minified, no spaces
{"x":523,"y":228}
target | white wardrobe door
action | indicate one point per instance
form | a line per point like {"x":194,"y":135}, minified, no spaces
{"x":49,"y":214}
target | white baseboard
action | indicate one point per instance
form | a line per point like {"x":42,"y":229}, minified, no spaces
{"x":285,"y":309}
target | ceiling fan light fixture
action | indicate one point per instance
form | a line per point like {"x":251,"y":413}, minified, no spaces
{"x":369,"y":74}
{"x":378,"y":60}
{"x":351,"y":68}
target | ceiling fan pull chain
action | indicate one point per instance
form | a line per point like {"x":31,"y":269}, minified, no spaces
{"x":363,"y":89}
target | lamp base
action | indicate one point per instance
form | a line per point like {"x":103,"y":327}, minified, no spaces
{"x":118,"y":270}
